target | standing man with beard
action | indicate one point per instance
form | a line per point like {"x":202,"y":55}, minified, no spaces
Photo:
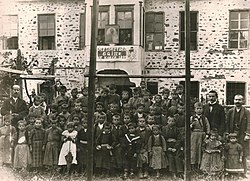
{"x":238,"y":120}
{"x":15,"y":106}
{"x":215,"y":113}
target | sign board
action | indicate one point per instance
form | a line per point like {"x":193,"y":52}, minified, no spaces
{"x":116,"y":53}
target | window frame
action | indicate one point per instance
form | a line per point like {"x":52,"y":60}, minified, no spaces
{"x":47,"y":37}
{"x":82,"y":31}
{"x":235,"y":82}
{"x":163,"y":31}
{"x":183,"y":31}
{"x":6,"y":39}
{"x":239,"y":30}
{"x":125,"y":8}
{"x":102,"y":8}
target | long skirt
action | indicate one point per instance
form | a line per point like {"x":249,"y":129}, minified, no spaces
{"x":6,"y":150}
{"x":158,"y":160}
{"x":51,"y":154}
{"x":103,"y":158}
{"x":22,"y":157}
{"x":211,"y":162}
{"x":196,"y":147}
{"x":67,"y":147}
{"x":233,"y":165}
{"x":37,"y":154}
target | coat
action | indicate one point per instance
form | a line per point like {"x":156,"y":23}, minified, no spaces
{"x":216,"y":117}
{"x":19,"y":107}
{"x":242,"y":129}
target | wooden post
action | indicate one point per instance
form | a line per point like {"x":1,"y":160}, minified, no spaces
{"x":91,"y":90}
{"x":187,"y":171}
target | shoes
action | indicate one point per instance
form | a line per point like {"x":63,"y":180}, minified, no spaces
{"x":158,"y":175}
{"x":141,"y":175}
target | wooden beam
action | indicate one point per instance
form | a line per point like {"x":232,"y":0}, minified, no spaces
{"x":137,"y":76}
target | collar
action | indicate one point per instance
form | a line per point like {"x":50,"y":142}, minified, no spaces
{"x":15,"y":98}
{"x":197,"y":116}
{"x":212,"y":103}
{"x":237,"y":109}
{"x":132,"y":139}
{"x":142,"y":129}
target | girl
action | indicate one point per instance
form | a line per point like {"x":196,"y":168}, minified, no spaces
{"x":156,"y":150}
{"x":52,"y":145}
{"x":233,"y":154}
{"x":212,"y":155}
{"x":22,"y":157}
{"x":199,"y":129}
{"x":7,"y":133}
{"x":105,"y":142}
{"x":68,"y":147}
{"x":36,"y":110}
{"x":37,"y":135}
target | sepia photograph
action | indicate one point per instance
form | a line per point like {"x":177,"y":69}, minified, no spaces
{"x":136,"y":90}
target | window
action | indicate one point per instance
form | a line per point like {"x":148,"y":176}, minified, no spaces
{"x":124,"y":18}
{"x":103,"y":20}
{"x":239,"y":29}
{"x":194,"y":89}
{"x":193,"y":30}
{"x":46,"y":32}
{"x":154,"y":30}
{"x":10,"y":32}
{"x":233,"y":88}
{"x":82,"y":31}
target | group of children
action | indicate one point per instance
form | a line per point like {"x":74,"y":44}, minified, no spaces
{"x":137,"y":134}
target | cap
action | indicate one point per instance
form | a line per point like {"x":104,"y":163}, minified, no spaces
{"x":16,"y":87}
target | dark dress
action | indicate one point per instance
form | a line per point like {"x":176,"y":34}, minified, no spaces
{"x":81,"y":144}
{"x":233,"y":152}
{"x":104,"y":154}
{"x":52,"y":149}
{"x":212,"y":156}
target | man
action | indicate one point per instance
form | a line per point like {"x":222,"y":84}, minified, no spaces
{"x":238,"y":119}
{"x":15,"y":106}
{"x":215,"y":113}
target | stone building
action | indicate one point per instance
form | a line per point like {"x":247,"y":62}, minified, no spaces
{"x":134,"y":37}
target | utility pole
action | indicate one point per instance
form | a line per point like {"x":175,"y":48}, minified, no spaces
{"x":91,"y":90}
{"x":187,"y":171}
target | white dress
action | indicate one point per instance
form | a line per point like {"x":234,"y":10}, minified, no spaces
{"x":68,"y":146}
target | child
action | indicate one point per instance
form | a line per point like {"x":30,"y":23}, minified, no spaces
{"x":130,"y":144}
{"x":158,"y":100}
{"x":61,"y":121}
{"x":76,"y":111}
{"x":36,"y":110}
{"x":84,"y":99}
{"x":104,"y":144}
{"x":81,"y":144}
{"x":52,"y":145}
{"x":22,"y":157}
{"x":139,"y":113}
{"x":126,"y":121}
{"x":113,"y":109}
{"x":113,"y":98}
{"x":68,"y":148}
{"x":142,"y":159}
{"x":64,"y":112}
{"x":98,"y":127}
{"x":156,"y":150}
{"x":53,"y":112}
{"x":104,"y":98}
{"x":117,"y":152}
{"x":136,"y":99}
{"x":175,"y":99}
{"x":99,"y":110}
{"x":180,"y":117}
{"x":171,"y":134}
{"x":146,"y":101}
{"x":165,"y":101}
{"x":125,"y":98}
{"x":212,"y":163}
{"x":62,"y":98}
{"x":150,"y":120}
{"x":36,"y":143}
{"x":7,"y":133}
{"x":200,"y":128}
{"x":73,"y":99}
{"x":233,"y":156}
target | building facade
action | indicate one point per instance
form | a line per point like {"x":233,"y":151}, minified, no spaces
{"x":135,"y":37}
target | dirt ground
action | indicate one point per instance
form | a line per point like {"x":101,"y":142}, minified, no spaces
{"x":7,"y":174}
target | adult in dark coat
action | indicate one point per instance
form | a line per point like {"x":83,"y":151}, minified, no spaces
{"x":238,"y":120}
{"x":215,"y":113}
{"x":15,"y":106}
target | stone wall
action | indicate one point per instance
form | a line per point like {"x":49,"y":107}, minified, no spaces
{"x":212,"y":64}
